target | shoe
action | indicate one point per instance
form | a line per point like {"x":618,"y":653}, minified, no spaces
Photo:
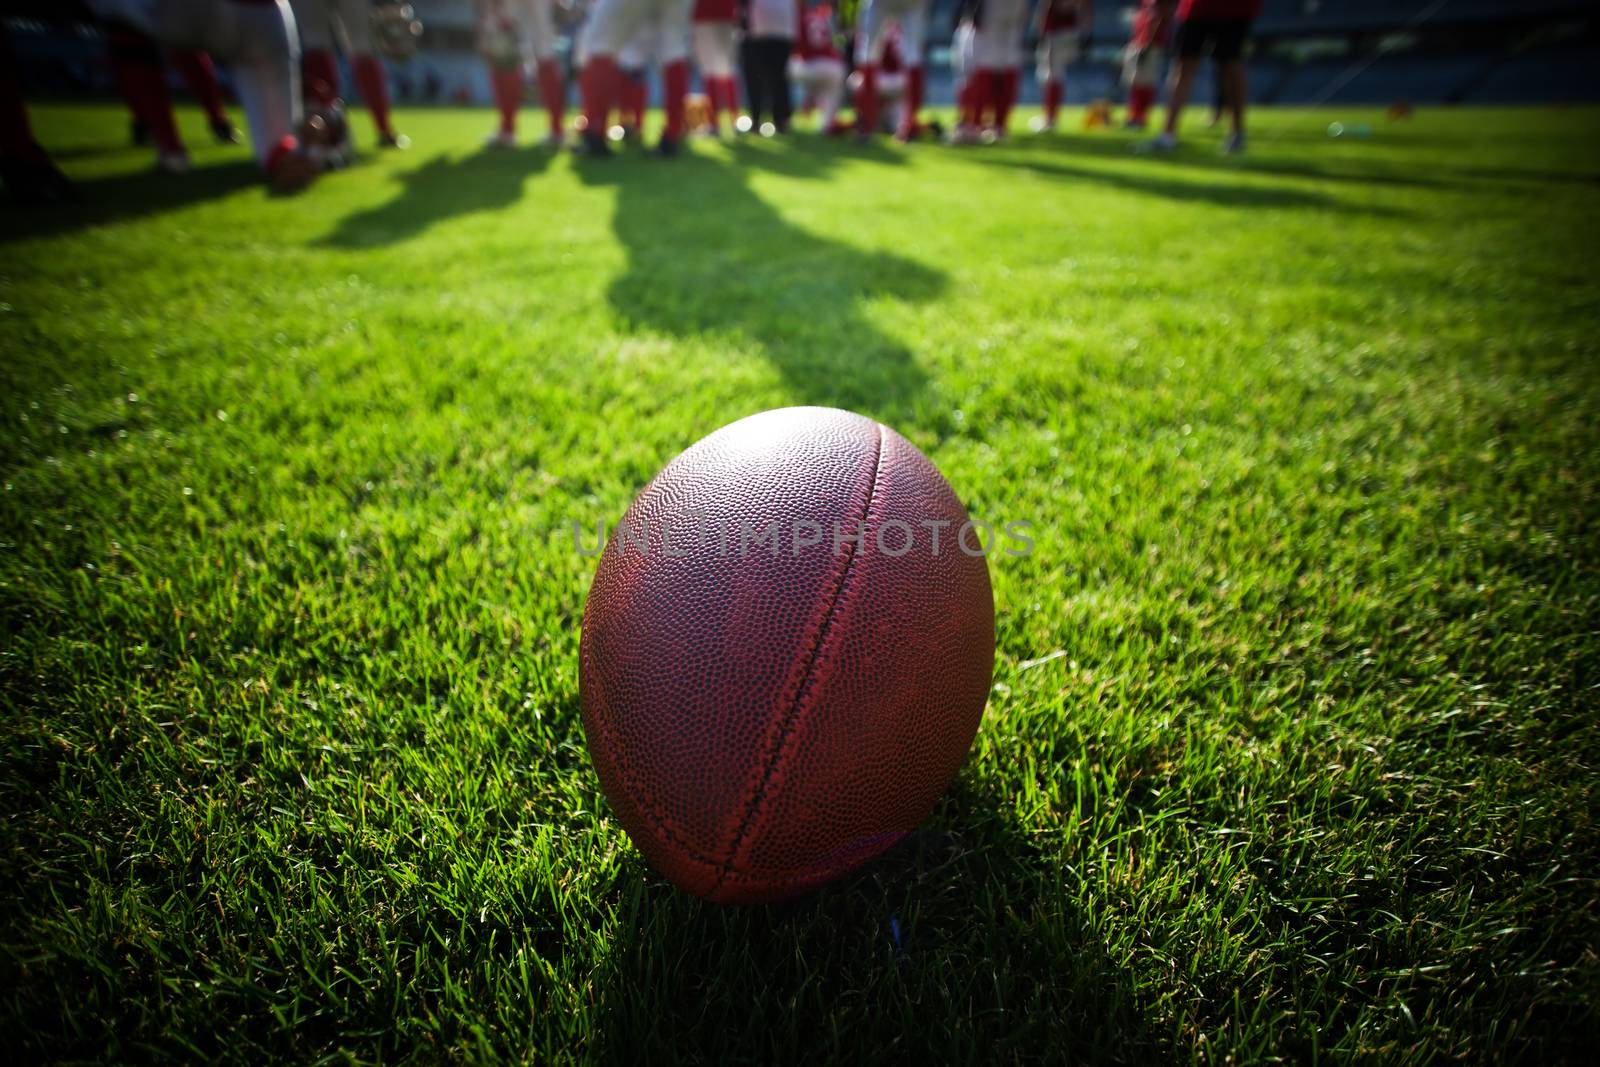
{"x":554,"y":141}
{"x":592,"y":144}
{"x":172,"y":162}
{"x":293,"y":172}
{"x":500,"y":139}
{"x":1040,"y":124}
{"x":667,"y":147}
{"x":1233,"y":144}
{"x":34,"y":182}
{"x":1135,"y":124}
{"x":1161,"y":144}
{"x":962,"y":135}
{"x":224,"y":132}
{"x":139,"y":134}
{"x":743,"y":125}
{"x":398,"y":141}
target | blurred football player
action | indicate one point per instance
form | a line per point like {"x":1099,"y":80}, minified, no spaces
{"x":989,"y":40}
{"x":1143,"y":58}
{"x":1220,"y":28}
{"x":1060,"y":26}
{"x":31,"y":178}
{"x":817,"y":66}
{"x":321,"y":23}
{"x":256,"y":40}
{"x":768,"y":40}
{"x":610,"y":26}
{"x":200,"y":75}
{"x":509,"y":30}
{"x":716,"y":29}
{"x":872,"y":30}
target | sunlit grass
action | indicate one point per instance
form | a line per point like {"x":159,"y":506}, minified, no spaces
{"x":1292,"y":745}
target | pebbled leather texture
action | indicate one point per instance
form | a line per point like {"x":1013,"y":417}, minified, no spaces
{"x":764,"y":718}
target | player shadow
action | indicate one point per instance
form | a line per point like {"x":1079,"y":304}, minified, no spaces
{"x":708,"y":258}
{"x":445,"y":187}
{"x":1205,"y":157}
{"x":120,"y":197}
{"x":1151,"y":182}
{"x":933,"y":949}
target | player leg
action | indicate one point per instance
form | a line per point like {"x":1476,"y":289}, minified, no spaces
{"x":136,"y":65}
{"x":713,"y":54}
{"x":547,"y":66}
{"x":600,"y":81}
{"x":1192,"y":37}
{"x":870,"y":29}
{"x":201,"y":76}
{"x":30,"y":177}
{"x":1142,"y":71}
{"x":829,"y":91}
{"x":319,"y":68}
{"x":1052,"y":73}
{"x":673,"y":18}
{"x":256,"y":40}
{"x":778,"y":85}
{"x":354,"y":19}
{"x":913,"y":27}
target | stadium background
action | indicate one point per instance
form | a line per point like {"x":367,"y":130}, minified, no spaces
{"x":1480,"y":52}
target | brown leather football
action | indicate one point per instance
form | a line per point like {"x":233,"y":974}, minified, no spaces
{"x":786,"y":652}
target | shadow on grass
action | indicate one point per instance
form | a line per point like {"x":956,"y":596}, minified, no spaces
{"x":1155,"y":177}
{"x":706,"y":255}
{"x":443,"y":188}
{"x":119,"y":197}
{"x":950,"y":948}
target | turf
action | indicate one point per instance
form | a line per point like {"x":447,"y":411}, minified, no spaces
{"x":1292,"y":745}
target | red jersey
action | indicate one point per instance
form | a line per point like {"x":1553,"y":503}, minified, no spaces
{"x":1152,"y":25}
{"x":716,"y":10}
{"x":1064,"y":16}
{"x":816,"y":39}
{"x":1219,"y":9}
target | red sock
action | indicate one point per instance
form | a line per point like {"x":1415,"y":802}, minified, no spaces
{"x":1006,"y":98}
{"x":1052,"y":100}
{"x":867,"y":100}
{"x":136,"y":61}
{"x":598,"y":86}
{"x":374,"y":85}
{"x":553,"y":94}
{"x":984,"y":92}
{"x":1140,"y":97}
{"x":675,"y":86}
{"x":505,"y":84}
{"x":913,"y":103}
{"x":201,"y":76}
{"x":321,"y":76}
{"x":730,"y":95}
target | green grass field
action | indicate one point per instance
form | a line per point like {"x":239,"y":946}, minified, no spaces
{"x":1292,"y":746}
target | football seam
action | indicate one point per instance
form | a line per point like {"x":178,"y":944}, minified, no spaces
{"x":792,"y":718}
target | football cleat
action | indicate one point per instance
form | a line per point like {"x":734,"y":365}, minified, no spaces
{"x":292,"y":172}
{"x":667,"y":147}
{"x":224,"y":132}
{"x":592,"y":145}
{"x":31,"y":182}
{"x":1161,"y":144}
{"x":1040,"y":124}
{"x":500,"y":139}
{"x":172,"y":162}
{"x":398,"y":141}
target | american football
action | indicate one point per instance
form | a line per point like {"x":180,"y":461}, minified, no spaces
{"x":778,"y":680}
{"x":799,"y":531}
